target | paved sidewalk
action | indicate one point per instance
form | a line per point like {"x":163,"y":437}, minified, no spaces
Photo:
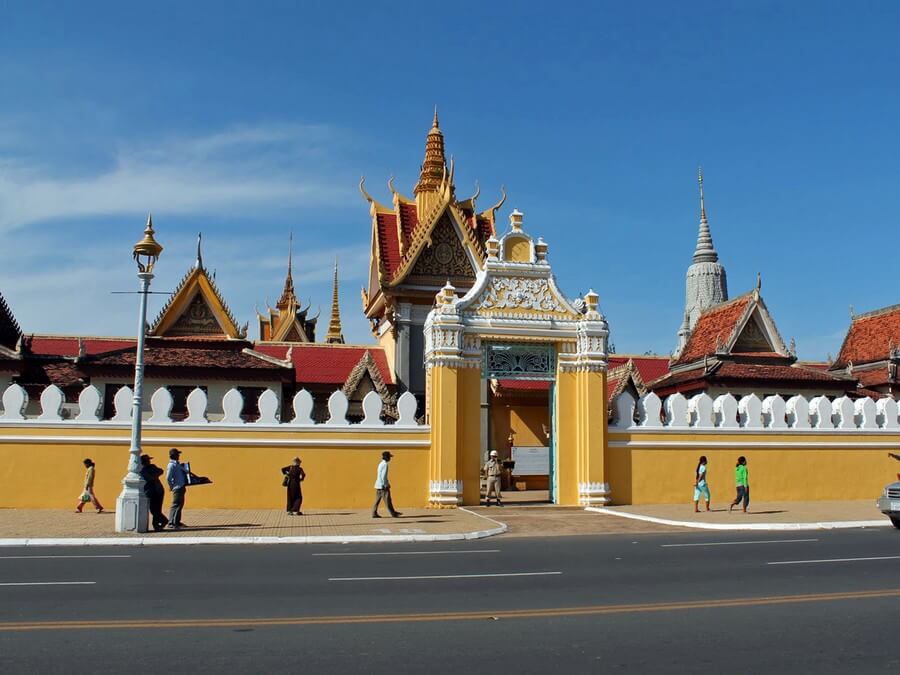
{"x":762,"y":515}
{"x":248,"y":526}
{"x":561,"y":521}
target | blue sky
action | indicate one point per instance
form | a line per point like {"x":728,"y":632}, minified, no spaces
{"x":249,"y":120}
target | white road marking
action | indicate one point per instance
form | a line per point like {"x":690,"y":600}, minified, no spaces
{"x":830,"y":560}
{"x":47,"y":583}
{"x":49,"y":557}
{"x":739,"y":543}
{"x":447,"y":576}
{"x":481,"y":550}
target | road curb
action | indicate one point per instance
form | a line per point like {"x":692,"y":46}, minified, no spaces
{"x":163,"y":540}
{"x":794,"y":527}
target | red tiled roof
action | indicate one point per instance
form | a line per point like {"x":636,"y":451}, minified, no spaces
{"x":650,"y":367}
{"x":161,"y":355}
{"x":874,"y":377}
{"x":409,"y":219}
{"x":870,"y":337}
{"x":327,"y":364}
{"x":67,"y":345}
{"x":63,"y":374}
{"x":713,"y":327}
{"x":388,"y":245}
{"x":755,"y":371}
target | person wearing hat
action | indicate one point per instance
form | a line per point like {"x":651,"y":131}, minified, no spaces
{"x":383,"y":488}
{"x":155,"y":492}
{"x":293,"y":476}
{"x":492,"y":471}
{"x":176,"y":477}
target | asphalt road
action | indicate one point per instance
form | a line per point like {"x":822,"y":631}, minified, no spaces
{"x":824,"y":602}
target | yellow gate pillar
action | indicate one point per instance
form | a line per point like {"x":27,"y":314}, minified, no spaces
{"x":453,"y":404}
{"x":581,"y":416}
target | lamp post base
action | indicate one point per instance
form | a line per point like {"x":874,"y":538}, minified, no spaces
{"x":132,"y":507}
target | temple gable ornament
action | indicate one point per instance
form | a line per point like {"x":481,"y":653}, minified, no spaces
{"x":444,"y":257}
{"x":522,"y":295}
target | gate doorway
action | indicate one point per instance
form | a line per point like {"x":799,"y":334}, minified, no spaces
{"x":517,"y":421}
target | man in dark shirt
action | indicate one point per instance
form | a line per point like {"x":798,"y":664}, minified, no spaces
{"x":153,"y":488}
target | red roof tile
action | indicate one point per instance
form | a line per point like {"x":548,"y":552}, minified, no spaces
{"x":870,"y":337}
{"x":388,"y":245}
{"x":67,"y":345}
{"x":713,"y":327}
{"x":874,"y":377}
{"x":327,"y":364}
{"x":161,"y":355}
{"x":650,"y":367}
{"x":756,"y":371}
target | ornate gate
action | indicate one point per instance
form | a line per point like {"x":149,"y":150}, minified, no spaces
{"x":514,"y":322}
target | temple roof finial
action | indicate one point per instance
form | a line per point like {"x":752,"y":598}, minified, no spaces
{"x":434,"y":124}
{"x":434,"y":168}
{"x":199,"y":262}
{"x":287,"y":295}
{"x":705,"y":251}
{"x":335,"y":334}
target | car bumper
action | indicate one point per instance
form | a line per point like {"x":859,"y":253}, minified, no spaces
{"x":887,"y":506}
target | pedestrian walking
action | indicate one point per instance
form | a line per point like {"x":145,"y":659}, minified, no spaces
{"x":492,"y":471}
{"x":293,"y":476}
{"x":87,"y":494}
{"x":177,"y":479}
{"x":701,"y":486}
{"x":741,"y":483}
{"x":153,"y":489}
{"x":383,"y":487}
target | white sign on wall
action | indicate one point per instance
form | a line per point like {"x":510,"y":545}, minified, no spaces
{"x":531,"y":460}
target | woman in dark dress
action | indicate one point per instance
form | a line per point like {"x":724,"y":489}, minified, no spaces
{"x":294,"y":475}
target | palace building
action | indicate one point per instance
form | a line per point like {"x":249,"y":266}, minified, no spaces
{"x":475,"y":348}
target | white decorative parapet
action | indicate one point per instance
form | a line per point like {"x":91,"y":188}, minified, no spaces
{"x":53,"y":410}
{"x":593,"y":494}
{"x":750,"y":414}
{"x":445,"y":492}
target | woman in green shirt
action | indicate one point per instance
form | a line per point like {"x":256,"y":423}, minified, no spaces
{"x":742,"y":483}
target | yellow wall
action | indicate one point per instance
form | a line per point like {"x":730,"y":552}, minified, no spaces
{"x":789,"y":467}
{"x":468,"y":450}
{"x":244,"y":464}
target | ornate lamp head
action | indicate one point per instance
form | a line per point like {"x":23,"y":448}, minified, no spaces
{"x":147,"y":250}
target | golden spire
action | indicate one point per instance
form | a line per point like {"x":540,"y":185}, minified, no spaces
{"x":287,"y":295}
{"x":335,"y":335}
{"x":434,"y":168}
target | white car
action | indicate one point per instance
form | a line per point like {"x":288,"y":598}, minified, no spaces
{"x":889,"y":503}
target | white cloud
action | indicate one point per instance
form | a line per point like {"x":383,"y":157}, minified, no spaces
{"x":231,"y":171}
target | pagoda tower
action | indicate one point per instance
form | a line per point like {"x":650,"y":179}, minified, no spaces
{"x":288,"y":322}
{"x":418,"y":245}
{"x":335,"y":334}
{"x":706,"y":284}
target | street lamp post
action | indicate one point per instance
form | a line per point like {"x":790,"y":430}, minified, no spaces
{"x":132,"y":505}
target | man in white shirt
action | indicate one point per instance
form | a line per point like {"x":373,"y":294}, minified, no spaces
{"x":383,"y":487}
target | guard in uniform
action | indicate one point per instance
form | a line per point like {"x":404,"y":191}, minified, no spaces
{"x":492,"y":471}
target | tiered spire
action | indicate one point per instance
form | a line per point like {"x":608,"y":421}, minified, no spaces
{"x":434,"y":168}
{"x":705,"y":251}
{"x":287,"y":295}
{"x":335,"y":334}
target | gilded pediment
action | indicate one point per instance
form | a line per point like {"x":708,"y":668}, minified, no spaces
{"x":522,"y":296}
{"x":444,"y":258}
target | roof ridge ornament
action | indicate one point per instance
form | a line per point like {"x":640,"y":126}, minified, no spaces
{"x":199,"y":262}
